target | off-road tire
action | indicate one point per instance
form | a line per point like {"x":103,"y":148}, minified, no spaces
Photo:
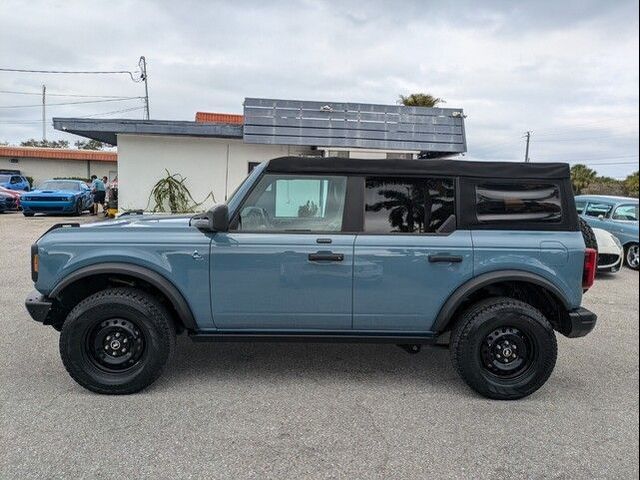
{"x":143,"y":310}
{"x":588,"y":235}
{"x":487,"y":316}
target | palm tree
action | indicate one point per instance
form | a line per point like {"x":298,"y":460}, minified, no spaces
{"x":581,"y":177}
{"x":420,"y":100}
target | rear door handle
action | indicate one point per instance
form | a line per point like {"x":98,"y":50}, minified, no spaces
{"x":326,"y":257}
{"x":445,"y":258}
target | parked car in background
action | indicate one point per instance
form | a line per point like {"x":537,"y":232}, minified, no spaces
{"x":14,"y":196}
{"x":610,"y":251}
{"x":7,"y":202}
{"x":14,"y":182}
{"x":616,"y":215}
{"x":58,"y":196}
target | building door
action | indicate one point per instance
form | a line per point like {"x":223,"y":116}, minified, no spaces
{"x":285,"y":263}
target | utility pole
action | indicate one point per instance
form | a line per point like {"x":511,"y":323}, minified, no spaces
{"x":143,"y":69}
{"x":44,"y":113}
{"x":526,"y":152}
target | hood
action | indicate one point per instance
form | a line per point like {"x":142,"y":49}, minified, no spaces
{"x":157,"y":222}
{"x":56,"y":192}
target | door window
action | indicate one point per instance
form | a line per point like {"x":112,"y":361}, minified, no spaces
{"x":408,"y":205}
{"x":282,"y":203}
{"x":580,"y":204}
{"x":598,"y":209}
{"x":626,"y":212}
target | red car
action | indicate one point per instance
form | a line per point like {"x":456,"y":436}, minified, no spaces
{"x":14,"y":194}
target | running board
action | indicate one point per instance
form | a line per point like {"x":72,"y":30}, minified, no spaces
{"x":312,"y":338}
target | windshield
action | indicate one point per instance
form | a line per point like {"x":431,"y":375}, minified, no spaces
{"x":73,"y":186}
{"x":5,"y":178}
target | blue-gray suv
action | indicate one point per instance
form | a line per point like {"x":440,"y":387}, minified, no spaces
{"x":487,"y":258}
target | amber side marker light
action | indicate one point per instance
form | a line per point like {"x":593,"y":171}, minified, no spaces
{"x":35,"y":262}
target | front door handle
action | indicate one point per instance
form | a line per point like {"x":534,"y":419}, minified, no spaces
{"x":326,"y":257}
{"x":445,"y":258}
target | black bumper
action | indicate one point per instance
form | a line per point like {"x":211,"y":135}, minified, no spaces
{"x":581,"y":322}
{"x":38,"y":306}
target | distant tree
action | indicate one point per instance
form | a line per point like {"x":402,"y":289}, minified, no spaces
{"x":3,"y":143}
{"x":89,"y":145}
{"x":605,"y":186}
{"x":631,"y":185}
{"x":420,"y":100}
{"x":581,"y":177}
{"x":32,"y":142}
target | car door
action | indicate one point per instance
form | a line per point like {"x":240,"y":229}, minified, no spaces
{"x":285,"y":263}
{"x":410,"y":257}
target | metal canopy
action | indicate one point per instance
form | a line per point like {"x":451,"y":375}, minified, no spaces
{"x":354,"y":125}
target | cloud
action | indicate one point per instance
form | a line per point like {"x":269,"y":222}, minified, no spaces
{"x":568,"y":71}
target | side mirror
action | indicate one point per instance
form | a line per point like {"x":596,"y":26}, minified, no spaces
{"x":214,"y":220}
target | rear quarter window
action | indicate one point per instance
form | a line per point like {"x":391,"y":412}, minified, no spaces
{"x":498,"y":202}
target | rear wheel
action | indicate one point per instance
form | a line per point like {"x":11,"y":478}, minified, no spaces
{"x":631,"y":256}
{"x":503,"y":348}
{"x":117,"y":341}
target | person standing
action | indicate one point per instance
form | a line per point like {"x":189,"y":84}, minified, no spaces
{"x":99,"y":191}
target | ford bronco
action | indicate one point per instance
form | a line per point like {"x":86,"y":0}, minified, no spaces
{"x":486,"y":258}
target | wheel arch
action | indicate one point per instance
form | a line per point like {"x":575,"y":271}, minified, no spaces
{"x":456,"y":301}
{"x":144,"y":274}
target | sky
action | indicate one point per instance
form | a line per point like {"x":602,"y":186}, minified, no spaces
{"x":565,"y":70}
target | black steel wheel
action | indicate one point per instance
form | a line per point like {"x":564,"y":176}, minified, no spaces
{"x":503,"y":348}
{"x":117,"y":341}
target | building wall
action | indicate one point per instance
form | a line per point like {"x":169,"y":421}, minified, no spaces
{"x":209,"y":165}
{"x":43,"y":169}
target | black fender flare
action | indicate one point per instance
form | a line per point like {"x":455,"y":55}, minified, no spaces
{"x":455,"y":300}
{"x":150,"y":276}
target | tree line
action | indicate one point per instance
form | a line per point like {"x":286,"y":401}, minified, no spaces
{"x":587,"y":181}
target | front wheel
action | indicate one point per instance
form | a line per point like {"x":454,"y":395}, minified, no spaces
{"x":117,"y":341}
{"x":631,"y":256}
{"x":503,"y":348}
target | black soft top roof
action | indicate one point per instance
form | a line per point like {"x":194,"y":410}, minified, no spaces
{"x":458,"y":168}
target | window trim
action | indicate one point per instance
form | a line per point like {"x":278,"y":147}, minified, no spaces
{"x":456,"y":206}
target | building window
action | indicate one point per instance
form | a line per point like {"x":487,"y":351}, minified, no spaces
{"x":399,"y":156}
{"x":14,"y":160}
{"x":338,"y":153}
{"x":408,"y":205}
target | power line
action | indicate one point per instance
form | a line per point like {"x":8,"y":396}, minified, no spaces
{"x":30,"y":121}
{"x":74,"y":72}
{"x":11,"y":92}
{"x":74,"y":103}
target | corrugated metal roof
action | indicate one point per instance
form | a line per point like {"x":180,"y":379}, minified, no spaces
{"x":58,"y":154}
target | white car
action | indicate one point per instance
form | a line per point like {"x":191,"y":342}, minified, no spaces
{"x":610,"y":251}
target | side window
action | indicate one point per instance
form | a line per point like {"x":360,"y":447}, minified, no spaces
{"x":407,"y":205}
{"x":518,"y":202}
{"x":598,"y":209}
{"x":626,"y":212}
{"x":16,"y":179}
{"x":580,"y":204}
{"x":281,"y":203}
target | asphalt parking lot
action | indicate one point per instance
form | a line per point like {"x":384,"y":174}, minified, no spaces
{"x":314,"y":411}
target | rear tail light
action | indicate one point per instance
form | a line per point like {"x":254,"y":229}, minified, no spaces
{"x":590,"y":266}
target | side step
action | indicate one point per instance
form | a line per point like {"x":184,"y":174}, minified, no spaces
{"x":313,"y":338}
